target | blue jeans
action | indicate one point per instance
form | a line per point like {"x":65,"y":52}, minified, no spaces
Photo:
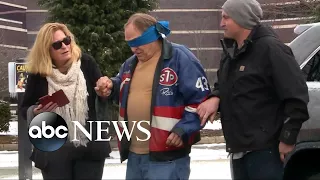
{"x":262,"y":165}
{"x":140,"y":167}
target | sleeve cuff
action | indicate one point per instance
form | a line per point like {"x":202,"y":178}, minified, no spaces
{"x":180,"y":132}
{"x":288,"y":136}
{"x":113,"y":87}
{"x":30,"y":114}
{"x":214,"y":93}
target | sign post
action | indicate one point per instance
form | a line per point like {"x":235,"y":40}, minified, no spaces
{"x":21,"y":76}
{"x":17,"y":83}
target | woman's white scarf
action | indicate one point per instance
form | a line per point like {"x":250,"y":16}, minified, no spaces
{"x":74,"y":86}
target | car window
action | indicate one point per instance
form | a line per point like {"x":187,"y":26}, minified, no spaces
{"x":311,"y":70}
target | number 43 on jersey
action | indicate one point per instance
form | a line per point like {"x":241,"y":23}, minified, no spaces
{"x":202,"y":83}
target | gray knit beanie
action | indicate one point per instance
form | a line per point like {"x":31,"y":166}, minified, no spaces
{"x":246,"y":13}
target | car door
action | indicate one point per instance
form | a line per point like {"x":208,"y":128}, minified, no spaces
{"x":310,"y":130}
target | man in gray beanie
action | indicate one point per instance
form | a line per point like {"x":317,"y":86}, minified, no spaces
{"x":246,"y":13}
{"x":261,"y":106}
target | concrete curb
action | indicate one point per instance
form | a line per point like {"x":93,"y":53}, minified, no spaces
{"x":8,"y":147}
{"x":212,"y":140}
{"x":204,"y":140}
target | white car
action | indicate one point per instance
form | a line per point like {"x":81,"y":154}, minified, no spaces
{"x":304,"y":161}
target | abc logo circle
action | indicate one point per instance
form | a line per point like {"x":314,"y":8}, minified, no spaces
{"x":48,"y":131}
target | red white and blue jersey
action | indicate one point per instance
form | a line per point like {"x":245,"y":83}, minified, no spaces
{"x":180,"y":85}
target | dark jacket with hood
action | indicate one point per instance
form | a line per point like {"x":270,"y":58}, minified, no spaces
{"x":263,"y":95}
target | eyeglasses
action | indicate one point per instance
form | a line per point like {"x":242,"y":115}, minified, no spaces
{"x":58,"y":44}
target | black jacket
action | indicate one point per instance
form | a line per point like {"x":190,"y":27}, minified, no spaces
{"x":263,"y":95}
{"x":37,"y":87}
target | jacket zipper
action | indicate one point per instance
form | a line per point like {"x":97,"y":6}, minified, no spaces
{"x":133,"y":66}
{"x":155,"y":84}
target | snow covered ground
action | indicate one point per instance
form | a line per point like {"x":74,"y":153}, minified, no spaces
{"x":206,"y":163}
{"x":13,"y":129}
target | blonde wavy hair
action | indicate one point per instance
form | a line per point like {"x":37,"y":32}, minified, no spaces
{"x":39,"y":60}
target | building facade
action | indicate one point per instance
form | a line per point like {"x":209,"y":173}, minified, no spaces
{"x":194,"y":23}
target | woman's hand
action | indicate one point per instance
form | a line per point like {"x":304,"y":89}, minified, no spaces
{"x":104,"y":86}
{"x":50,"y":107}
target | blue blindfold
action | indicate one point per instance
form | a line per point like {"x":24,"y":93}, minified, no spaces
{"x":153,"y":33}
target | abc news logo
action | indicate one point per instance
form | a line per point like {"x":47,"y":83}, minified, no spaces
{"x":48,"y":131}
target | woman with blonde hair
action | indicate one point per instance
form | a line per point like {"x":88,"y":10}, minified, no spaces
{"x":56,"y":62}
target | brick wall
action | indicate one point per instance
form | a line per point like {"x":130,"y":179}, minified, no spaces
{"x":13,"y":37}
{"x":194,"y":23}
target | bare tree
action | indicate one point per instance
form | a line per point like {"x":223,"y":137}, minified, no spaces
{"x":2,"y":51}
{"x":198,"y":36}
{"x":295,"y":9}
{"x":203,"y":35}
{"x":3,"y":64}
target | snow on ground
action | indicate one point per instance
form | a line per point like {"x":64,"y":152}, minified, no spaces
{"x":206,"y":163}
{"x":10,"y":158}
{"x":220,"y":145}
{"x":199,"y":170}
{"x":215,"y":125}
{"x":13,"y":128}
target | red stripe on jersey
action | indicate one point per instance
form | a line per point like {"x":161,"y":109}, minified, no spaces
{"x":170,"y":112}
